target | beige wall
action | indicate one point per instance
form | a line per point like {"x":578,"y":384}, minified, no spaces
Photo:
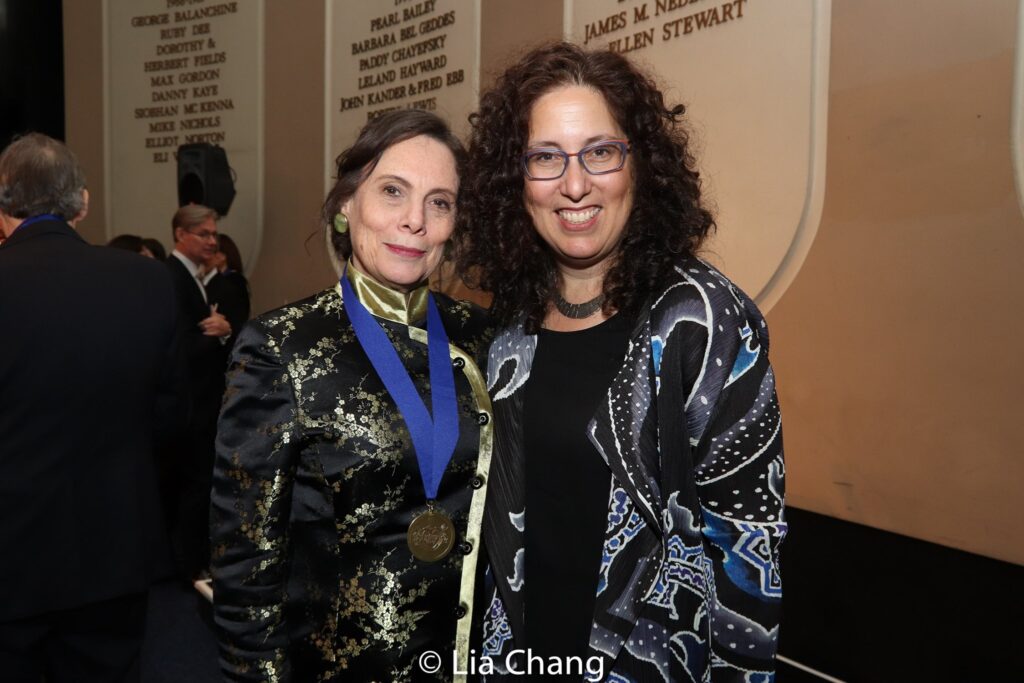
{"x":289,"y":266}
{"x":509,"y":27}
{"x":896,"y":344}
{"x":83,"y":104}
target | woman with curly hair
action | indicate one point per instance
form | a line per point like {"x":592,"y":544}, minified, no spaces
{"x":635,"y":504}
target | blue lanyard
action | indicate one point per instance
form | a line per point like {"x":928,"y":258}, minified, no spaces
{"x":433,"y":439}
{"x":37,"y":219}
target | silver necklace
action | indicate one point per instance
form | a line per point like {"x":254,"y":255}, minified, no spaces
{"x":578,"y":311}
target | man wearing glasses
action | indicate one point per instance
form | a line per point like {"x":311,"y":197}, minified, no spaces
{"x":204,"y":333}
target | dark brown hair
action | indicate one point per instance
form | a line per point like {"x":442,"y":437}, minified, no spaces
{"x":498,"y":248}
{"x":131,"y":243}
{"x":231,"y":253}
{"x":155,"y":247}
{"x":357,"y":162}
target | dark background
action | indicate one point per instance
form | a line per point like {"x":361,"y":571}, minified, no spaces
{"x":31,"y":68}
{"x":861,"y":604}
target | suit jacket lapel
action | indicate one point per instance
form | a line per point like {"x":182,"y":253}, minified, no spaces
{"x":190,"y":287}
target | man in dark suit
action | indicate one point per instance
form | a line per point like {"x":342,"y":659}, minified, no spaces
{"x":89,"y":372}
{"x":205,"y":333}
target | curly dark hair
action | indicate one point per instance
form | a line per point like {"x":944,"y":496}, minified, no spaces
{"x":357,"y":162}
{"x":498,"y":249}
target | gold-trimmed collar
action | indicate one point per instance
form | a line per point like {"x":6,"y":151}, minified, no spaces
{"x":384,"y":302}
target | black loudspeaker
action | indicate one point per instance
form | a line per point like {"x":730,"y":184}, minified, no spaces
{"x":204,"y":177}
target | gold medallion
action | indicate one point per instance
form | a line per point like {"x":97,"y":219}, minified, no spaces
{"x":431,"y":535}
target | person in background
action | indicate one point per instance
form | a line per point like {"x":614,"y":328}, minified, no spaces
{"x":228,"y":287}
{"x":635,"y":511}
{"x":89,"y":383}
{"x":156,"y":248}
{"x":346,"y":516}
{"x":132,"y":243}
{"x":205,"y":335}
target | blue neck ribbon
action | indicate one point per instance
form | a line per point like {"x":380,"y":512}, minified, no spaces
{"x":36,"y":219}
{"x":433,"y":439}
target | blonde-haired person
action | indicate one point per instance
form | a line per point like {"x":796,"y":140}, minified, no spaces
{"x":204,"y":334}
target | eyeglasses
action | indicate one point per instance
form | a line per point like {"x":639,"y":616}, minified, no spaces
{"x":606,"y":156}
{"x":204,"y":234}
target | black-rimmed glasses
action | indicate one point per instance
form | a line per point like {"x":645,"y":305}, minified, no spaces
{"x":605,"y":156}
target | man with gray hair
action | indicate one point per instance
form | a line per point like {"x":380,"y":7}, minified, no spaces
{"x":89,"y":381}
{"x":204,"y":334}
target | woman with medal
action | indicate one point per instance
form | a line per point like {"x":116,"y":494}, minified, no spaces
{"x":354,"y":441}
{"x":634,"y":510}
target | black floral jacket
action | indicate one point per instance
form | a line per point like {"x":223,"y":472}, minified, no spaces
{"x":315,"y":484}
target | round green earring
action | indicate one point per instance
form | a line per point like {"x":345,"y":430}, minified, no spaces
{"x":340,"y":223}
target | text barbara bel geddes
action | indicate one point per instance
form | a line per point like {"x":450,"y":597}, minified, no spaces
{"x":517,"y":662}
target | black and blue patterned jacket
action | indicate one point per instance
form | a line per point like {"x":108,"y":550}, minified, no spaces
{"x":689,"y":587}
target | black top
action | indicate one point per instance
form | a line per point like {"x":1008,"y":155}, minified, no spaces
{"x":567,"y":483}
